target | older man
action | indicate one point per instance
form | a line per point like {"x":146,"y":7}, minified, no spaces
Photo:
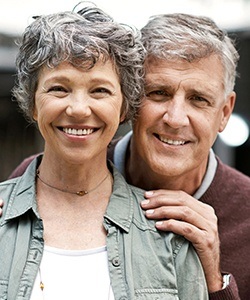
{"x":190,"y":76}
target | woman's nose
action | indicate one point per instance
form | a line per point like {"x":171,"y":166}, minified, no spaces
{"x":79,"y":106}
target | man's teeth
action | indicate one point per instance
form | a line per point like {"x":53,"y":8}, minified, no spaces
{"x":74,"y":131}
{"x":171,"y":142}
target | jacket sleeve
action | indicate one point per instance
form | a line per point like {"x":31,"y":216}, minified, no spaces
{"x":229,"y":293}
{"x":191,"y":280}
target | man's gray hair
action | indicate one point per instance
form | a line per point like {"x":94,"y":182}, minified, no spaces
{"x":183,"y":36}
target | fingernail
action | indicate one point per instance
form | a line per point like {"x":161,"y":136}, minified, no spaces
{"x":150,"y":211}
{"x":149,"y":193}
{"x":158,"y":223}
{"x":144,"y":202}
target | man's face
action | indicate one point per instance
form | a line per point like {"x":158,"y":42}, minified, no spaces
{"x":183,"y":110}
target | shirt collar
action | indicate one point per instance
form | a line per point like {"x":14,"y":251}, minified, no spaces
{"x":120,"y":153}
{"x":209,"y":176}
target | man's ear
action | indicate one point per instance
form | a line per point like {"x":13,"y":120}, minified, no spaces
{"x":227,"y":110}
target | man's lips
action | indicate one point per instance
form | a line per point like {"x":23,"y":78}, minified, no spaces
{"x":174,"y":142}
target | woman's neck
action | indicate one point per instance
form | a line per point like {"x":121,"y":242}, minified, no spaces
{"x":74,"y":176}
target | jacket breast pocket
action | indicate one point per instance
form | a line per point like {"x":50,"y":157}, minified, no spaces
{"x":156,"y":294}
{"x":3,"y":289}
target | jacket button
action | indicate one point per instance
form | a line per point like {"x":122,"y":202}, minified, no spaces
{"x":116,"y":263}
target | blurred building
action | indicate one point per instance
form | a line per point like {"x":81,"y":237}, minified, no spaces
{"x":242,"y":108}
{"x":17,"y":138}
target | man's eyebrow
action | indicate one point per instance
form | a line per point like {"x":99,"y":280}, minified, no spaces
{"x":208,"y":93}
{"x":201,"y":91}
{"x":158,"y":86}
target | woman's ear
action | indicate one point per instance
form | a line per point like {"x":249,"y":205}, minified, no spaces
{"x":122,"y":117}
{"x":35,"y":113}
{"x":124,"y":111}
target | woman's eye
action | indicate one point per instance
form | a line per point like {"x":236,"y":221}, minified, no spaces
{"x":57,"y":89}
{"x":101,"y":92}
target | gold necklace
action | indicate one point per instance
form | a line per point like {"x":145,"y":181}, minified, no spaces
{"x":78,"y":193}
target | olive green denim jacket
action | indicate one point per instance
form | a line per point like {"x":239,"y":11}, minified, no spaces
{"x":144,"y":263}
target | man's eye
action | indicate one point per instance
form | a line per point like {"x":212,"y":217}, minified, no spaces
{"x":198,"y":98}
{"x":199,"y":101}
{"x":157,"y":95}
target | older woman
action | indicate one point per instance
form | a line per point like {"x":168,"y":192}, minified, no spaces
{"x":72,"y":228}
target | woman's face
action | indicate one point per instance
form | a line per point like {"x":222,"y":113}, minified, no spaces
{"x":78,"y":111}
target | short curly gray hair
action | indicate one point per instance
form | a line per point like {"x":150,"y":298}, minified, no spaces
{"x":183,"y":36}
{"x":81,"y":38}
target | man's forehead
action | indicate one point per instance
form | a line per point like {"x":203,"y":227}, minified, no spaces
{"x":204,"y":73}
{"x":163,"y":61}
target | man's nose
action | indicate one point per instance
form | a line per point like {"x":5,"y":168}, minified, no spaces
{"x":176,"y":112}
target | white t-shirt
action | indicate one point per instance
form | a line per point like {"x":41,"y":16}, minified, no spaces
{"x":73,"y":274}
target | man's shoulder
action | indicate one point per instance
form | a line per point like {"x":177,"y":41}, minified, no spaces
{"x":228,"y":185}
{"x":20,"y":169}
{"x":234,"y":177}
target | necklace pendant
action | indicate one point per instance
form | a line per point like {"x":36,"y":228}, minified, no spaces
{"x":81,"y":193}
{"x":41,"y":286}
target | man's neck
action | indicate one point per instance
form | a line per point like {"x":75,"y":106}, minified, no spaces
{"x":139,"y":174}
{"x":144,"y":178}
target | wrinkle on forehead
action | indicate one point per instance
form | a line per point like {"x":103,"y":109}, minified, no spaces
{"x":204,"y":74}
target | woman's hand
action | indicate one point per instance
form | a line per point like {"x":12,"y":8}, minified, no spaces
{"x":182,"y":214}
